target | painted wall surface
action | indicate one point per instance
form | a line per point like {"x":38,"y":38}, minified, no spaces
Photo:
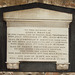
{"x":64,"y":3}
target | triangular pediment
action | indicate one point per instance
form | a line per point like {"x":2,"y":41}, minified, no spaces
{"x":37,"y":13}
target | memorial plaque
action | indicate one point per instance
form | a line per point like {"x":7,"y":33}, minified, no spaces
{"x":37,"y":44}
{"x":37,"y":36}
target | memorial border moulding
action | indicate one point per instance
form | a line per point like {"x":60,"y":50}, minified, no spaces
{"x":35,"y":66}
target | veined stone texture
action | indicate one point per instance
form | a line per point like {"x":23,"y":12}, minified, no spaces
{"x":63,"y":3}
